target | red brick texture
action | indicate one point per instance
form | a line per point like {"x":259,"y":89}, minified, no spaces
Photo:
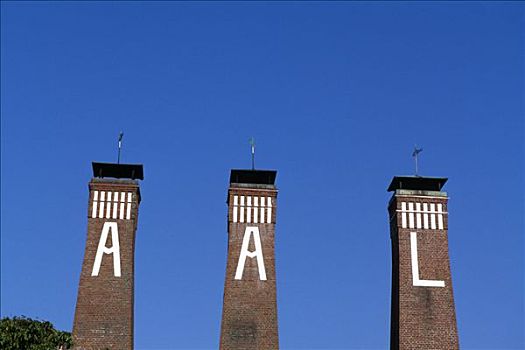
{"x":104,"y":309}
{"x":422,"y":317}
{"x":249,"y":317}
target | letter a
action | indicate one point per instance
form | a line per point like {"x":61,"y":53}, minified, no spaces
{"x":415,"y":266}
{"x":115,"y":249}
{"x":246,"y":253}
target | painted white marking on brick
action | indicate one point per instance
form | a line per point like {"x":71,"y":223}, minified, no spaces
{"x":114,"y":249}
{"x":235,"y":209}
{"x":235,"y":214}
{"x":269,"y":210}
{"x":245,"y":253}
{"x":249,"y":209}
{"x":425,"y":215}
{"x":108,"y":207}
{"x":121,"y":214}
{"x":411,"y":215}
{"x":415,"y":266}
{"x":252,"y":209}
{"x":241,"y":219}
{"x":121,"y":211}
{"x":128,"y":212}
{"x":115,"y":205}
{"x":101,"y":204}
{"x":101,"y":210}
{"x":418,"y":215}
{"x":95,"y":205}
{"x":108,"y":210}
{"x":432,"y":216}
{"x":262,"y":209}
{"x":403,"y":215}
{"x":440,"y":216}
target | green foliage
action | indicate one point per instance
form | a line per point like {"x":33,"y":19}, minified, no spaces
{"x":23,"y":333}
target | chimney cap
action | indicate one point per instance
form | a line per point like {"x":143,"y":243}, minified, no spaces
{"x":422,"y":183}
{"x":118,"y":171}
{"x":260,"y":177}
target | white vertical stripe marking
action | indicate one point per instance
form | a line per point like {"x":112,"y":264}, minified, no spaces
{"x":411,"y":215}
{"x":235,"y":213}
{"x":235,"y":208}
{"x":425,"y":215}
{"x":122,"y":200}
{"x":108,"y":210}
{"x":115,"y":204}
{"x":121,"y":214}
{"x":249,"y":209}
{"x":418,"y":215}
{"x":108,"y":206}
{"x":263,"y":204}
{"x":432,"y":216}
{"x":128,"y":212}
{"x":101,"y":206}
{"x":403,"y":215}
{"x":440,"y":216}
{"x":95,"y":204}
{"x":269,"y":211}
{"x":94,"y":211}
{"x":242,"y":211}
{"x":255,"y":210}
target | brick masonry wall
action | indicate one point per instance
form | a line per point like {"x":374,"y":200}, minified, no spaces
{"x":105,"y":303}
{"x":249,"y":318}
{"x":422,"y":317}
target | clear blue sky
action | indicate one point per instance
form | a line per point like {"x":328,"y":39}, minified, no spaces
{"x":336,"y":95}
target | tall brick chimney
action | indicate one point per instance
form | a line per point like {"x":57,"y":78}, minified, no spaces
{"x":423,"y":315}
{"x":249,"y":315}
{"x":104,"y":310}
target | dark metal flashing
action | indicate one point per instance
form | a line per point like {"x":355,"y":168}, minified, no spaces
{"x":417,"y":183}
{"x":260,"y":177}
{"x":118,"y":171}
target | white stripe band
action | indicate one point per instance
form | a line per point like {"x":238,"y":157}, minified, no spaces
{"x":418,"y":215}
{"x":106,"y":205}
{"x":252,"y":209}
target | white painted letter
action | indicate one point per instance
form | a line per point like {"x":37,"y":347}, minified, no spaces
{"x":246,"y":253}
{"x":115,"y":248}
{"x":415,"y":266}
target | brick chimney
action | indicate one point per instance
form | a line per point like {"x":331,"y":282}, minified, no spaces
{"x":104,"y":309}
{"x":423,"y":315}
{"x":249,"y":315}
